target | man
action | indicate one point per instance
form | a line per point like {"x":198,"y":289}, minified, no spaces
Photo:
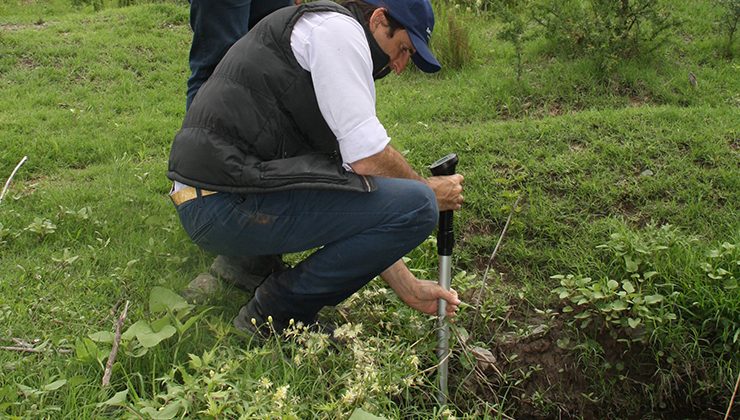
{"x":217,"y":25}
{"x":281,"y":151}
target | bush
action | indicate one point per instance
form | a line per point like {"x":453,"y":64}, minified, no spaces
{"x":515,"y":20}
{"x":729,"y":23}
{"x":606,"y":30}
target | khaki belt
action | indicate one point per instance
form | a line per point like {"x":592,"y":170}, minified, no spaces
{"x":188,"y":193}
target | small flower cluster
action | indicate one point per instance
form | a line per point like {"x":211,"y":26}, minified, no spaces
{"x":348,"y":331}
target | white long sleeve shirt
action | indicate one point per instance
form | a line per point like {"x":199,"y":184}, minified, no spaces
{"x":333,"y":48}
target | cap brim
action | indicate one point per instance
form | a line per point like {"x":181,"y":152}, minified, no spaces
{"x":423,"y":58}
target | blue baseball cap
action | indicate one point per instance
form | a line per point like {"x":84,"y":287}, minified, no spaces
{"x":417,"y":17}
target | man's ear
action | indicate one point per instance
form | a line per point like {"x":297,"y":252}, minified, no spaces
{"x":378,"y":19}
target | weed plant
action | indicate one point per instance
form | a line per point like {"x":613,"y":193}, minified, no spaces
{"x":451,"y":38}
{"x":648,"y":291}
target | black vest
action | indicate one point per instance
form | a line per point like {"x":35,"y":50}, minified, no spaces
{"x":255,"y":125}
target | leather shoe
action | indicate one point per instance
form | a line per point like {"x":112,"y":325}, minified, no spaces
{"x":246,"y":273}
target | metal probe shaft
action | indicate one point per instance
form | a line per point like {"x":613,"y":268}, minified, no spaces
{"x":445,"y":243}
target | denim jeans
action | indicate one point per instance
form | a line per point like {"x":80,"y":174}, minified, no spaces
{"x":359,"y":235}
{"x":217,"y":25}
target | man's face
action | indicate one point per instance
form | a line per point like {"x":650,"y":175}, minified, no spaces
{"x":398,"y":46}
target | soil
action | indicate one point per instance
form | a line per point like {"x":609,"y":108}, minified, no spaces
{"x":547,"y":373}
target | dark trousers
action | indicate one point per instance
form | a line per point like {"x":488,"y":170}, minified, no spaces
{"x":217,"y":25}
{"x":359,"y":235}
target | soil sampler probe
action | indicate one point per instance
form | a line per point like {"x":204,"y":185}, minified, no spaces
{"x":445,"y":242}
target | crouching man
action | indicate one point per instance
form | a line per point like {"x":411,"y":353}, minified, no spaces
{"x":281,"y":151}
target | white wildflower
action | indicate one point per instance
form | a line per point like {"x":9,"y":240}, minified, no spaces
{"x":265,"y":383}
{"x":375,"y":387}
{"x":280,"y":394}
{"x":348,"y":331}
{"x":447,"y":414}
{"x":349,"y":396}
{"x":414,"y":361}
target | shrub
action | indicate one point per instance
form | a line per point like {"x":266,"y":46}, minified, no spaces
{"x":728,"y":22}
{"x":606,"y":30}
{"x":515,"y":18}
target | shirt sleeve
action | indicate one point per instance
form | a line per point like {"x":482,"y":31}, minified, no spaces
{"x":333,"y":48}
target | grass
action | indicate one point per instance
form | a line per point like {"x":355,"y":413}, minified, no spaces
{"x":94,"y":99}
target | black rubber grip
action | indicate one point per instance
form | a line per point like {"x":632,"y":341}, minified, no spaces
{"x":445,"y":233}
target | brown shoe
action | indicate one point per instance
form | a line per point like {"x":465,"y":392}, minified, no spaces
{"x":246,"y":273}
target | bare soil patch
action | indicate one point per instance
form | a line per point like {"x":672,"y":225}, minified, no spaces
{"x":537,"y":361}
{"x":12,"y":27}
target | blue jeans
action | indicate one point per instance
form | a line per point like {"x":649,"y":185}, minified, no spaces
{"x":360,"y":235}
{"x":217,"y":25}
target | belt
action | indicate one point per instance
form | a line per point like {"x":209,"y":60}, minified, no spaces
{"x":186,"y":194}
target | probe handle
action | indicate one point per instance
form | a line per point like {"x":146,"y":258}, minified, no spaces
{"x":445,"y":235}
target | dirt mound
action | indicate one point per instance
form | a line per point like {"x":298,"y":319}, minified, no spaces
{"x":537,"y":362}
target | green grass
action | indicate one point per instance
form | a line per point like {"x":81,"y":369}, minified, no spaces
{"x":94,"y":100}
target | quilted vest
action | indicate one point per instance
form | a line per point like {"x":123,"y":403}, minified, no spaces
{"x":255,"y":125}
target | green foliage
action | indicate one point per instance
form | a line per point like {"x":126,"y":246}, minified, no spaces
{"x":607,"y":30}
{"x":627,"y":297}
{"x":37,"y":398}
{"x":4,"y":235}
{"x":126,"y":3}
{"x":723,"y":266}
{"x":144,"y":335}
{"x":41,"y":227}
{"x":720,"y":314}
{"x":639,"y":253}
{"x":620,"y":304}
{"x":708,"y":305}
{"x":728,"y":23}
{"x":652,"y":292}
{"x":515,"y":17}
{"x":297,"y":375}
{"x":451,"y":40}
{"x":97,"y":5}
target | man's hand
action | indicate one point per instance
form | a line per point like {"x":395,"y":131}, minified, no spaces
{"x":448,"y":190}
{"x":422,"y":295}
{"x":390,"y":163}
{"x":425,"y":295}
